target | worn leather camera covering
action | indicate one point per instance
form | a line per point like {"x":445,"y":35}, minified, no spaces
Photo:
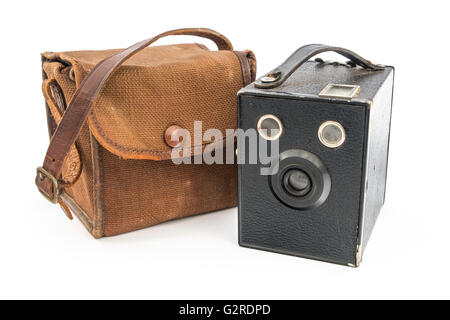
{"x":329,"y":232}
{"x":126,"y":180}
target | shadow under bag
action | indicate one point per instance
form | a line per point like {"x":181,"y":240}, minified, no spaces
{"x":114,"y":171}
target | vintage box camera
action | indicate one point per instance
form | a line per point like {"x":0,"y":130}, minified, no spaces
{"x":326,"y":185}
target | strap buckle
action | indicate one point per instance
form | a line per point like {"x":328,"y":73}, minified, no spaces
{"x":41,"y":175}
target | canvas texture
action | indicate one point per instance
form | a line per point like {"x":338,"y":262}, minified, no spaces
{"x":121,"y":175}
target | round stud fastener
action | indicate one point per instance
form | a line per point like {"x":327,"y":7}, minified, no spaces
{"x":271,"y":77}
{"x":268,"y":79}
{"x":174,"y":136}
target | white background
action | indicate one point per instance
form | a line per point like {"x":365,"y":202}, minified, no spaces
{"x":44,"y":255}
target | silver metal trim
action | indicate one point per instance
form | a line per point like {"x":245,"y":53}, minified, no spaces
{"x":355,"y":91}
{"x":327,"y":143}
{"x":363,"y":211}
{"x":358,"y":255}
{"x":271,"y":77}
{"x":268,"y":79}
{"x":262,"y":133}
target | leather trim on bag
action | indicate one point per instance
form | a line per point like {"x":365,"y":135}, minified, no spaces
{"x":247,"y":60}
{"x":97,"y":168}
{"x":51,"y":123}
{"x":245,"y":66}
{"x":76,"y":209}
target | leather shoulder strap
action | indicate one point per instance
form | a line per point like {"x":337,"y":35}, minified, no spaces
{"x":47,"y":179}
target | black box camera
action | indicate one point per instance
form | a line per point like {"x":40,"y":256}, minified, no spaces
{"x":326,"y":186}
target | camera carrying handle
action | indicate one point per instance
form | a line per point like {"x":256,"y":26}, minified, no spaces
{"x":279,"y":75}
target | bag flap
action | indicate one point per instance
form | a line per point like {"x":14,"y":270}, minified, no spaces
{"x":158,"y":87}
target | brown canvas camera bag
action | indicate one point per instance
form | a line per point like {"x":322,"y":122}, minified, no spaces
{"x":114,"y":171}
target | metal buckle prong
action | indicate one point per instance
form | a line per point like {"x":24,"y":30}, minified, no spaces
{"x":42,"y":174}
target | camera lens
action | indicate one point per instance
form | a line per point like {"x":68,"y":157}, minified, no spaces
{"x":269,"y":127}
{"x":300,"y":179}
{"x":297,"y":183}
